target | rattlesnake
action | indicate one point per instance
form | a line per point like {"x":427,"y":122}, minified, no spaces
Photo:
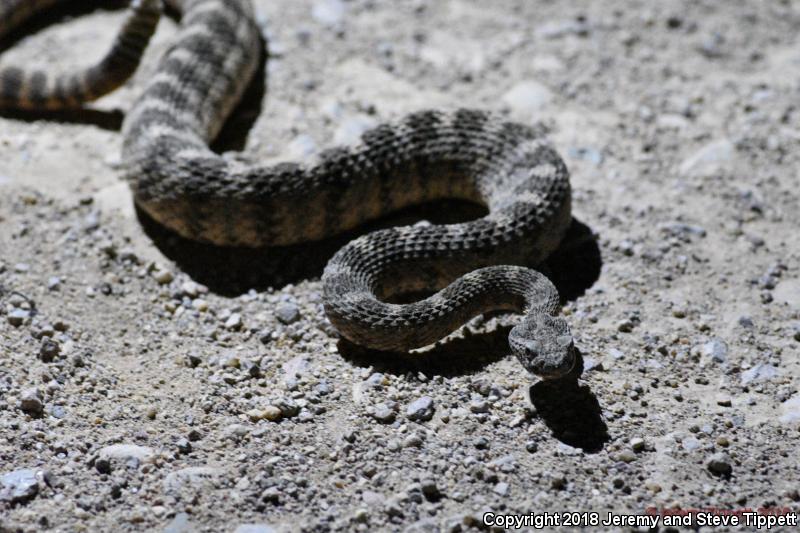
{"x":476,"y":266}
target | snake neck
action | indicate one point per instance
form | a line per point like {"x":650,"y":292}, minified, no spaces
{"x":365,"y":320}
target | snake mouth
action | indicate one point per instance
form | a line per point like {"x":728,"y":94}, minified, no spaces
{"x":550,"y":372}
{"x":547,"y":360}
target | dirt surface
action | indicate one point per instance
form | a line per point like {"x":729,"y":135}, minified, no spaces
{"x":145,"y":386}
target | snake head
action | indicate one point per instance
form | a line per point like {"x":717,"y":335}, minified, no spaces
{"x":544,"y":346}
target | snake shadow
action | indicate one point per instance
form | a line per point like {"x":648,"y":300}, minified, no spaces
{"x":570,"y":410}
{"x":231,"y":270}
{"x":110,"y":120}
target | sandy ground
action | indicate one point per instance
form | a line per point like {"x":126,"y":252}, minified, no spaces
{"x":145,"y":386}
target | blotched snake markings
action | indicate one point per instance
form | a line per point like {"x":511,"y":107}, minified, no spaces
{"x":475,"y":267}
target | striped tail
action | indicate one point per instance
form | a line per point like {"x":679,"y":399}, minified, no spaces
{"x":38,"y":90}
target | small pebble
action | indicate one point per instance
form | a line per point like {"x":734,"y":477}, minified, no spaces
{"x":234,"y":322}
{"x":230,"y":360}
{"x":271,"y":413}
{"x":759,"y":372}
{"x":626,"y":456}
{"x":191,"y":289}
{"x":412,"y":441}
{"x":719,"y":464}
{"x":625,"y":326}
{"x":716,"y":349}
{"x":328,"y":12}
{"x":674,"y":22}
{"x":724,"y":401}
{"x":383,"y":413}
{"x":746,"y":322}
{"x":193,"y":360}
{"x":30,"y":402}
{"x":163,"y":276}
{"x":709,"y":159}
{"x":287,"y":313}
{"x":637,"y":444}
{"x":19,"y":485}
{"x":16,"y":317}
{"x":236,"y":431}
{"x":288,"y":407}
{"x":481,"y":443}
{"x":256,"y":528}
{"x":526,"y":98}
{"x":271,"y":495}
{"x":479,"y":406}
{"x":590,"y":364}
{"x":430,"y":490}
{"x":501,"y":488}
{"x":180,"y":524}
{"x":183,"y":445}
{"x":712,"y":46}
{"x":48,"y":350}
{"x":92,"y":221}
{"x":122,"y":456}
{"x":421,"y":409}
{"x":616,"y":353}
{"x":791,"y":410}
{"x":595,"y":157}
{"x":655,"y":488}
{"x":42,"y":330}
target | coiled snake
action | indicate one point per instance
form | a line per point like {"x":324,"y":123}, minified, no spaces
{"x":476,"y":266}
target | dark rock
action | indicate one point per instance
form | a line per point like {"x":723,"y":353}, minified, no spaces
{"x":719,"y":464}
{"x":30,"y":402}
{"x":48,"y":350}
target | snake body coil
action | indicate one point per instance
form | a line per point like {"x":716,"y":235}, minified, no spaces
{"x":475,"y":266}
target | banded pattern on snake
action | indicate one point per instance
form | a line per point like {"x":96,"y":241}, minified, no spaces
{"x":474,"y":267}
